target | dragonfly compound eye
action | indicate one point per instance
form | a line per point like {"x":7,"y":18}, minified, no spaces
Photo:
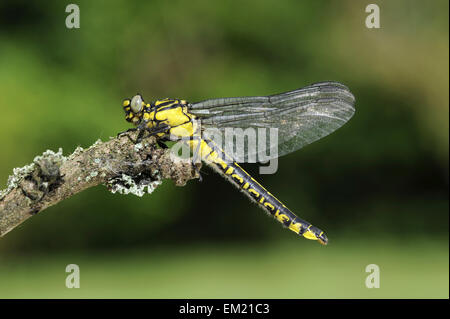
{"x":137,"y":103}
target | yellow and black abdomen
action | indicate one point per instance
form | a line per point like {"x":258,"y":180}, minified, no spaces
{"x":247,"y":184}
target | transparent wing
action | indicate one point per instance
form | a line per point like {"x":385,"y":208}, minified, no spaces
{"x":299,"y":117}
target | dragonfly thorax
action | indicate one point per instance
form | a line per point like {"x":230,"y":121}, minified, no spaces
{"x":172,"y":114}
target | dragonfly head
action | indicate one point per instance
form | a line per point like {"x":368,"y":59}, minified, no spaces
{"x":134,"y":109}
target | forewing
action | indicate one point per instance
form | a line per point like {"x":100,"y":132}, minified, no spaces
{"x":300,"y":117}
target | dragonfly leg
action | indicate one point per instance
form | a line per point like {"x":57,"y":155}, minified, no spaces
{"x":200,"y":178}
{"x":160,"y":128}
{"x":142,"y":128}
{"x":161,"y":142}
{"x":195,"y":158}
{"x":195,"y":153}
{"x":127,"y":131}
{"x":140,"y":136}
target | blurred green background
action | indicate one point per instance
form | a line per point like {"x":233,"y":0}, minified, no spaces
{"x":378,"y":186}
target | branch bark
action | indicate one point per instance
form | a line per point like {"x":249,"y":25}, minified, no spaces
{"x":120,"y":164}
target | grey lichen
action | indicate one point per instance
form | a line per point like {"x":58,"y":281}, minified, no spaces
{"x":137,"y":185}
{"x":19,"y":173}
{"x":76,"y":152}
{"x":138,"y":147}
{"x":91,"y":175}
{"x":97,"y":142}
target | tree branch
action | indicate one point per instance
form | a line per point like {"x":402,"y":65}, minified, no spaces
{"x":120,"y":164}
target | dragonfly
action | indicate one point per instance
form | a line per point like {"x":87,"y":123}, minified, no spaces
{"x":300,"y":117}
